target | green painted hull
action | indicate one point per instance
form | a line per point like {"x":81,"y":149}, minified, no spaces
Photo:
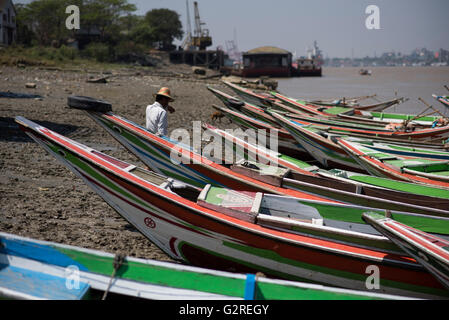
{"x":163,"y":280}
{"x":434,"y":220}
{"x":200,"y":236}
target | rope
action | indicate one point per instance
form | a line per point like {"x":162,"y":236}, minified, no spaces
{"x":118,"y":262}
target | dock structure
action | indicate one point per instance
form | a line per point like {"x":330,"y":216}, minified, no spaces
{"x":204,"y":58}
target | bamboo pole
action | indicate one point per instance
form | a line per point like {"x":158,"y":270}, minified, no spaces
{"x":431,"y":107}
{"x":419,"y":115}
{"x":398,"y":101}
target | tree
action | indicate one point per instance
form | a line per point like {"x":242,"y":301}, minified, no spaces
{"x":164,"y":26}
{"x":106,"y":15}
{"x":25,"y":35}
{"x":46,"y":18}
{"x":129,"y":22}
{"x":143,"y":34}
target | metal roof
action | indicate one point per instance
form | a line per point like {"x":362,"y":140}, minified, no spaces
{"x":267,"y":50}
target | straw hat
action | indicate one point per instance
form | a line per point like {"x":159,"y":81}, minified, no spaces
{"x":165,"y":92}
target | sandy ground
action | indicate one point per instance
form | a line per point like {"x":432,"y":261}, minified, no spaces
{"x":40,"y":198}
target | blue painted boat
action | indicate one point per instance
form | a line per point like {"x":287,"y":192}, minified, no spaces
{"x":40,"y":270}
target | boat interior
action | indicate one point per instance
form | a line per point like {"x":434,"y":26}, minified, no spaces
{"x":183,"y":190}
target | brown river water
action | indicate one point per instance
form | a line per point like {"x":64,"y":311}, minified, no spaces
{"x":409,"y":82}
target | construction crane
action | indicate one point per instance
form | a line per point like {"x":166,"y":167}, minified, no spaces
{"x":187,"y":43}
{"x":201,"y":39}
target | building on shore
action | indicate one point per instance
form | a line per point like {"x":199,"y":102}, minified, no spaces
{"x":276,"y":62}
{"x":8,"y":25}
{"x":266,"y":61}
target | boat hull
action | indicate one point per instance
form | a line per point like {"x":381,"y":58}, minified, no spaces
{"x":200,"y":236}
{"x":430,"y":251}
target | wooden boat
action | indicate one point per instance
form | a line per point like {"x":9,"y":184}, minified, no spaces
{"x":344,"y":116}
{"x":403,"y":150}
{"x":286,"y":142}
{"x":312,"y":109}
{"x":320,"y":144}
{"x":328,"y":115}
{"x":341,"y":102}
{"x":156,"y":153}
{"x":417,"y":170}
{"x":347,"y":163}
{"x":373,"y":117}
{"x":249,"y":116}
{"x":430,"y":251}
{"x":443,"y":99}
{"x":328,"y":153}
{"x":40,"y":270}
{"x":365,"y":72}
{"x":255,"y":98}
{"x":310,"y":178}
{"x":252,"y":111}
{"x":421,"y":135}
{"x":248,"y":109}
{"x":368,"y":120}
{"x":315,"y":120}
{"x":350,"y":118}
{"x":220,"y":230}
{"x":356,"y":115}
{"x":264,"y":99}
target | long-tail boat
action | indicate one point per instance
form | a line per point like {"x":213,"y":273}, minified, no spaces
{"x":252,"y":112}
{"x":417,"y":170}
{"x":156,"y":152}
{"x":247,"y":120}
{"x":421,"y":135}
{"x":256,"y":98}
{"x":323,"y":149}
{"x":210,"y":227}
{"x":286,"y":142}
{"x":310,"y":108}
{"x":443,"y":99}
{"x":342,"y":185}
{"x":345,"y":115}
{"x":328,"y":153}
{"x":266,"y":99}
{"x":403,"y":150}
{"x":430,"y":251}
{"x":246,"y":108}
{"x":41,"y":270}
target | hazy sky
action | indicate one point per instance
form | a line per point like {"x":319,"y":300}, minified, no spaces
{"x":337,"y":25}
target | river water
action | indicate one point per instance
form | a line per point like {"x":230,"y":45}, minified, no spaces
{"x":409,"y":82}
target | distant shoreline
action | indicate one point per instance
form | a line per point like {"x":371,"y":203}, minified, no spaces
{"x":376,"y":67}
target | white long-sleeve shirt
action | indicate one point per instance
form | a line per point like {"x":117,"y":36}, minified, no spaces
{"x":156,"y":119}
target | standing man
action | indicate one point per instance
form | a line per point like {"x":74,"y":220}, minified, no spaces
{"x":156,"y":114}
